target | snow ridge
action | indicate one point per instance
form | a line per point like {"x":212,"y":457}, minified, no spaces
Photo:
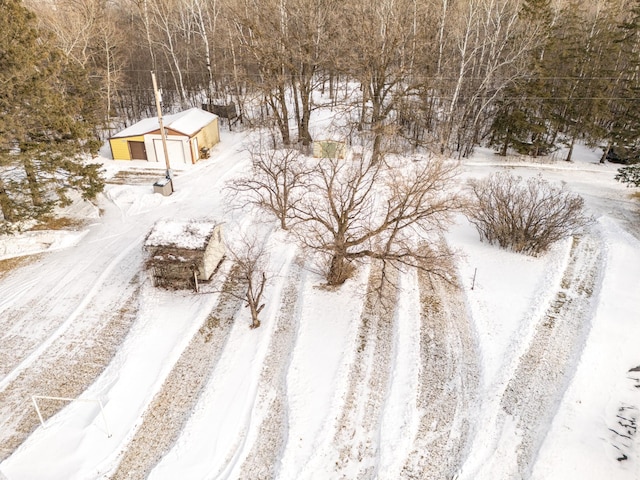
{"x":79,"y":359}
{"x":356,"y":440}
{"x":261,"y":463}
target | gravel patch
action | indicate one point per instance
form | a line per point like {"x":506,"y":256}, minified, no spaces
{"x":357,"y":437}
{"x":261,"y":463}
{"x":448,"y":382}
{"x":167,"y":413}
{"x":533,"y":394}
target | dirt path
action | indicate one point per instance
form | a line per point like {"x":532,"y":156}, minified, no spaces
{"x":167,"y":413}
{"x":261,"y":462}
{"x":357,"y":441}
{"x":65,"y":369}
{"x":532,"y":395}
{"x":448,"y":382}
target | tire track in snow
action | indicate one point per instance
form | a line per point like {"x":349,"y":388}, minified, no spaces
{"x":66,"y":369}
{"x":30,"y":330}
{"x":356,"y":440}
{"x":24,"y":358}
{"x":533,"y":394}
{"x":448,"y":382}
{"x":261,"y":461}
{"x":400,"y":416}
{"x":170,"y":408}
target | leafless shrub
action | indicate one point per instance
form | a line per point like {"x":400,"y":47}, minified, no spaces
{"x":526,"y":216}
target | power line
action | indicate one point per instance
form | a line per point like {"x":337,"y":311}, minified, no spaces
{"x":409,"y":76}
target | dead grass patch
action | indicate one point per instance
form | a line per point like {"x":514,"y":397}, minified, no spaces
{"x":60,"y":223}
{"x":10,"y":264}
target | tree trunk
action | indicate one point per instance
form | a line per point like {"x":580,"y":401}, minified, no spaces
{"x":338,"y":270}
{"x":363,"y":110}
{"x":32,"y":181}
{"x":253,"y":296}
{"x":282,"y":115}
{"x":605,"y":153}
{"x":5,"y":204}
{"x":505,"y":145}
{"x":377,"y":146}
{"x":305,"y":102}
{"x":573,"y":141}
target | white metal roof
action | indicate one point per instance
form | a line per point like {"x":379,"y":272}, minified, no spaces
{"x":190,"y":234}
{"x":188,"y":123}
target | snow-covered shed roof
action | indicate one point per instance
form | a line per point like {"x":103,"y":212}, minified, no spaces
{"x":188,"y":123}
{"x":189,"y":234}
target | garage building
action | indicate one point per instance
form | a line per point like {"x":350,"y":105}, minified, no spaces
{"x":190,"y":135}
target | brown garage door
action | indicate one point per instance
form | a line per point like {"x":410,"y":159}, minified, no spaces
{"x":138,"y":152}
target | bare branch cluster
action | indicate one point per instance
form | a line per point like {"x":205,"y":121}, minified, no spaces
{"x":526,"y":216}
{"x":357,"y":209}
{"x":394,"y":209}
{"x":274,"y":184}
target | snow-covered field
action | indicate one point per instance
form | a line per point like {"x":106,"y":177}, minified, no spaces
{"x":524,"y":371}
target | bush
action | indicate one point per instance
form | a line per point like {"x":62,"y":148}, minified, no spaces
{"x":526,"y":216}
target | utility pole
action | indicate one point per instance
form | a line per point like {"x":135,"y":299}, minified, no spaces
{"x":162,"y":132}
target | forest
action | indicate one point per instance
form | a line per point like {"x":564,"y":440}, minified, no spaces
{"x":525,"y":76}
{"x":443,"y":74}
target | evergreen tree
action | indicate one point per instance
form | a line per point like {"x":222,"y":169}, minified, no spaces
{"x":520,"y":120}
{"x":624,"y":128}
{"x":629,"y":175}
{"x":47,"y":119}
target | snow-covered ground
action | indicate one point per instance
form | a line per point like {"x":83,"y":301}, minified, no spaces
{"x":524,"y":371}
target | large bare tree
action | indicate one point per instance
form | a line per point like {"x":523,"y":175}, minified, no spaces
{"x":386,"y":210}
{"x":381,"y":54}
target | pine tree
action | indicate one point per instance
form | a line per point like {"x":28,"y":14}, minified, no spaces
{"x":47,"y":122}
{"x":520,"y":121}
{"x":624,"y":128}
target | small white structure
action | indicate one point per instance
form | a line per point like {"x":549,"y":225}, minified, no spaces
{"x":183,"y":253}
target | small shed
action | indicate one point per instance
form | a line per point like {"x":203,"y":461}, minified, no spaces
{"x":183,"y":253}
{"x":190,"y":134}
{"x":329,"y":149}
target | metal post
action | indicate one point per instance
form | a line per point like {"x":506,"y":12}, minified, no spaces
{"x":162,"y":132}
{"x":473,"y":283}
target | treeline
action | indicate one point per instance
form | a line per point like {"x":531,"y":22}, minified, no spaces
{"x":447,"y":75}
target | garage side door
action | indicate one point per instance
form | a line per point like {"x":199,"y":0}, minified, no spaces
{"x":137,"y":150}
